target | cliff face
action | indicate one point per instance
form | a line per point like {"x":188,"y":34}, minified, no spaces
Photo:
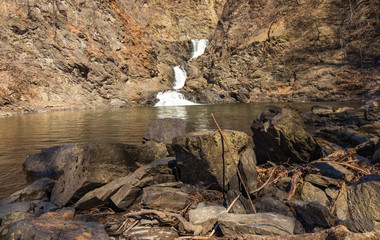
{"x":277,"y":50}
{"x":85,"y":53}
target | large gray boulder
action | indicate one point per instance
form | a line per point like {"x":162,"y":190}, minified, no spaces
{"x":259,"y":224}
{"x":100,"y":164}
{"x":280,"y":136}
{"x":202,"y":155}
{"x":124,"y":191}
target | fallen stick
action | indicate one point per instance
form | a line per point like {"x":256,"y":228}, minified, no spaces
{"x":236,"y":166}
{"x":262,"y":186}
{"x":293,"y":182}
{"x":187,"y":225}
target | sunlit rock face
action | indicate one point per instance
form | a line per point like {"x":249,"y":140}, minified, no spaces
{"x":68,"y":54}
{"x":87,"y":53}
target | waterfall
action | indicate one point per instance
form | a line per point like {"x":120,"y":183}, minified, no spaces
{"x":175,"y":98}
{"x":199,"y":46}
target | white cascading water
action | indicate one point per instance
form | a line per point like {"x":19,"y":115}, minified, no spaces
{"x":199,"y":46}
{"x":174,"y":98}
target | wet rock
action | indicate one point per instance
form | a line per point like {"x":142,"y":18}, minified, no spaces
{"x":39,"y":190}
{"x":11,"y":218}
{"x":200,"y":156}
{"x":164,"y":130}
{"x":166,"y":196}
{"x":312,"y":214}
{"x":17,"y":207}
{"x":147,"y":232}
{"x":52,"y":161}
{"x":333,"y":170}
{"x":206,"y":216}
{"x":259,"y":224}
{"x":321,"y":181}
{"x":281,"y":137}
{"x":51,"y":228}
{"x":159,"y":171}
{"x":311,"y":193}
{"x":270,"y":204}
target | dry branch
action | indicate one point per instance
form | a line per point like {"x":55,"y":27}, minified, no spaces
{"x":296,"y":175}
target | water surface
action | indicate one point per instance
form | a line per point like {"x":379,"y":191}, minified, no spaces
{"x":22,"y":135}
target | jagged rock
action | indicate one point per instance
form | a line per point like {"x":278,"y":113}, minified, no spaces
{"x":270,"y":204}
{"x":333,"y":170}
{"x":206,"y":216}
{"x":363,"y":200}
{"x":39,"y":190}
{"x":159,"y":171}
{"x":312,"y":214}
{"x":281,"y":137}
{"x":53,"y":228}
{"x":147,"y":232}
{"x":320,"y":180}
{"x":52,"y":161}
{"x":259,"y":224}
{"x":200,"y":156}
{"x":126,"y":189}
{"x":366,"y":149}
{"x":166,"y":196}
{"x":98,"y":165}
{"x":11,"y":218}
{"x":17,"y":207}
{"x":311,"y":193}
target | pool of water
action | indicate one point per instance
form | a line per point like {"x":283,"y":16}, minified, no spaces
{"x":22,"y":135}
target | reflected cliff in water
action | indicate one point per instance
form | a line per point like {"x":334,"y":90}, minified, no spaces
{"x":27,"y":134}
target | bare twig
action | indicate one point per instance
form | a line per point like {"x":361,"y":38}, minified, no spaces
{"x":228,"y":209}
{"x":262,"y":186}
{"x":236,"y":166}
{"x":296,"y":175}
{"x":132,"y":225}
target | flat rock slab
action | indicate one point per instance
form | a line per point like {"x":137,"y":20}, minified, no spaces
{"x":311,"y":193}
{"x":17,"y":207}
{"x":259,"y":224}
{"x":200,"y":156}
{"x":320,"y":180}
{"x":165,"y":197}
{"x":50,"y":228}
{"x":333,"y":170}
{"x":206,"y":216}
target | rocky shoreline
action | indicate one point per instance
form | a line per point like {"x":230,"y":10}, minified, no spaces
{"x":301,"y":175}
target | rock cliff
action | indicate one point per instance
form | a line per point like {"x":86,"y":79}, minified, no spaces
{"x":85,"y":53}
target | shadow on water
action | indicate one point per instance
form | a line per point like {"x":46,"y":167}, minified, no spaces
{"x":28,"y":134}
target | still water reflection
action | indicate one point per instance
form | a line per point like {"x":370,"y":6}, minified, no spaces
{"x":27,"y":134}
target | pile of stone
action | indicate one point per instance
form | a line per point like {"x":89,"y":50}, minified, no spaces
{"x":285,"y":182}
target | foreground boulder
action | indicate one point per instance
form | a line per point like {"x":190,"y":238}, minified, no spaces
{"x":280,"y":136}
{"x":125,"y":190}
{"x":202,"y":155}
{"x":98,"y":165}
{"x":258,"y":224}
